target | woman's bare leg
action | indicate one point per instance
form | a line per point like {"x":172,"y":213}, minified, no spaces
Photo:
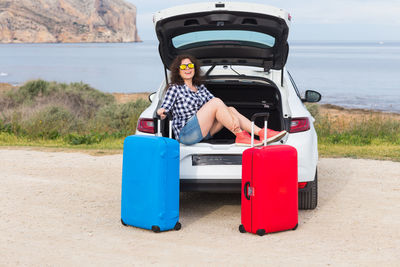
{"x":216,"y":110}
{"x":216,"y":127}
{"x":244,"y":122}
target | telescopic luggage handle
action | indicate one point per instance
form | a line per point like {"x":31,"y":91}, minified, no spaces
{"x":169,"y":117}
{"x":265,"y":115}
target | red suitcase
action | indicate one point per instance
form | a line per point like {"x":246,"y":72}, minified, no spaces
{"x":269,"y":187}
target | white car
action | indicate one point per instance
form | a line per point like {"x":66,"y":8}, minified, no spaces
{"x":243,"y":49}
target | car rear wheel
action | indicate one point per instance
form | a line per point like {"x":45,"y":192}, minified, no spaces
{"x":308,"y":198}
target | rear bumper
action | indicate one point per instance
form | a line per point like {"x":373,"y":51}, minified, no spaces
{"x":211,"y":185}
{"x":218,"y":185}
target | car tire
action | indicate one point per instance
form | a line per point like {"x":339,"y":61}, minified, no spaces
{"x":308,"y":198}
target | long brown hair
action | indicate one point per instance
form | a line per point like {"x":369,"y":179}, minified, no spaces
{"x":176,"y":77}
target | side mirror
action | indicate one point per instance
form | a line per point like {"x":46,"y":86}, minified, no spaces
{"x":312,"y":96}
{"x":151,"y":97}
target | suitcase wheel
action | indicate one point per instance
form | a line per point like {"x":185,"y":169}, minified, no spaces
{"x":178,"y":226}
{"x":124,"y":224}
{"x":155,"y":229}
{"x":260,"y":232}
{"x":241,"y":229}
{"x":295,"y":227}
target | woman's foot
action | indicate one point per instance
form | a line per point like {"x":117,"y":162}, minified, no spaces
{"x":243,"y":138}
{"x":272,"y":136}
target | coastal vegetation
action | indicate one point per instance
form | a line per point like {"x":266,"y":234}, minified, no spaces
{"x":75,"y":115}
{"x":57,"y":114}
{"x":356,"y":133}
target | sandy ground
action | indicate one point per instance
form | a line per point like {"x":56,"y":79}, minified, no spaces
{"x":63,"y":209}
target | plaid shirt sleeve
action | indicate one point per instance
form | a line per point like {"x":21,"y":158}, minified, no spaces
{"x":208,"y":94}
{"x":170,"y":98}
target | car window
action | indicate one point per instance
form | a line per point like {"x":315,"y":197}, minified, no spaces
{"x":240,"y":37}
{"x":294,"y":85}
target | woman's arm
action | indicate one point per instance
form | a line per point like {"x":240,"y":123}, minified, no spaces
{"x":168,"y":101}
{"x":161,"y":112}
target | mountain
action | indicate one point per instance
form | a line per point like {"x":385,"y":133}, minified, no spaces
{"x":67,"y":21}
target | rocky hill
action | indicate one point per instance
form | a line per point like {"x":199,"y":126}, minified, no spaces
{"x":69,"y":21}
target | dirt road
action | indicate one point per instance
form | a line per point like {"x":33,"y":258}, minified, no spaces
{"x":63,"y":209}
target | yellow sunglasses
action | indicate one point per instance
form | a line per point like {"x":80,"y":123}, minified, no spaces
{"x":184,"y":66}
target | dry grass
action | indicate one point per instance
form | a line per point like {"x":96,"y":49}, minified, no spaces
{"x":344,"y":117}
{"x":5,"y":87}
{"x":125,"y":98}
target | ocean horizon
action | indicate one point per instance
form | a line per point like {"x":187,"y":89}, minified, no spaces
{"x":347,"y":73}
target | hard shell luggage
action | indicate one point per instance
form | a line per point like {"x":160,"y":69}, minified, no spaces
{"x":269,"y":187}
{"x":150,"y":182}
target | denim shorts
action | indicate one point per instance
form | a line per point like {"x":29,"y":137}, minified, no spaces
{"x":191,"y":132}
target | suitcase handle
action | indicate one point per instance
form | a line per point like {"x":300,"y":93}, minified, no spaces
{"x":265,"y":115}
{"x":169,"y":117}
{"x":262,"y":114}
{"x":168,"y":114}
{"x":246,"y":190}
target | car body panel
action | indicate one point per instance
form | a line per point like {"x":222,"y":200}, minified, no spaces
{"x":228,"y":6}
{"x":264,"y":31}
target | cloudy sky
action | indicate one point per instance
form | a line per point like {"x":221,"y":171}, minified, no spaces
{"x":313,"y":20}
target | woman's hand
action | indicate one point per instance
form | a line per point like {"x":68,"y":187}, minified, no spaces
{"x":160,"y":112}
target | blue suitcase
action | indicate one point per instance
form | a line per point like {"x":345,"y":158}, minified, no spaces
{"x":150,"y":182}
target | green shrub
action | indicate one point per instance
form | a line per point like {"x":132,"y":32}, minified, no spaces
{"x":313,"y":109}
{"x":76,"y":112}
{"x":123,"y":117}
{"x":50,"y":123}
{"x":32,"y":89}
{"x":13,"y":124}
{"x":80,"y":139}
{"x":27,"y":93}
{"x":84,"y":100}
{"x":78,"y":98}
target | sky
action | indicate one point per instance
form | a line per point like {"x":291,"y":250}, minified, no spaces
{"x":312,"y":20}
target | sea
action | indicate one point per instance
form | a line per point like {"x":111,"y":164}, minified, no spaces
{"x":362,"y":75}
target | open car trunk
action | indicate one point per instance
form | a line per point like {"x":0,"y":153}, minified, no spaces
{"x":248,"y":98}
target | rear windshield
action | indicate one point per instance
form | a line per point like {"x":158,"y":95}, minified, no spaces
{"x":235,"y":37}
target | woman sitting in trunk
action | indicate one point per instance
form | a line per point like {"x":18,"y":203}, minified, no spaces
{"x":197,"y":114}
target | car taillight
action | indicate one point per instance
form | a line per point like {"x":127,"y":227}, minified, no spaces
{"x":146,"y":125}
{"x":302,"y":185}
{"x":299,"y":125}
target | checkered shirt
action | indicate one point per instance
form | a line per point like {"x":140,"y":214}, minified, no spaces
{"x":184,"y":104}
